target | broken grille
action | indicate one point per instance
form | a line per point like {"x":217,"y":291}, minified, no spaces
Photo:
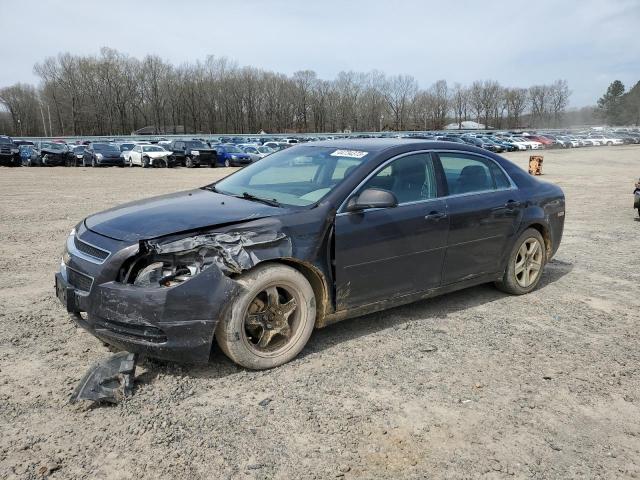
{"x":79,"y":280}
{"x":90,"y":250}
{"x":135,"y":331}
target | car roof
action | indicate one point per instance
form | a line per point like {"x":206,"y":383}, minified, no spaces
{"x":377,"y":145}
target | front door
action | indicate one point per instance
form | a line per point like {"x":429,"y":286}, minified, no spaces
{"x":382,"y":253}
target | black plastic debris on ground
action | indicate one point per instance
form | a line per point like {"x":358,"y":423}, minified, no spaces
{"x":109,"y":380}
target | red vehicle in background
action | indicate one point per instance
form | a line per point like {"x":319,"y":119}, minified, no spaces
{"x":547,"y":142}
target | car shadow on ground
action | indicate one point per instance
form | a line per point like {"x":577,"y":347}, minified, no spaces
{"x":220,"y":366}
{"x":439,"y":306}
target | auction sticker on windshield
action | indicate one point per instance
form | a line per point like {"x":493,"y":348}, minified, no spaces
{"x":349,"y":153}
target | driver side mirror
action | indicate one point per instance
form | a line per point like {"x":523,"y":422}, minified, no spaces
{"x":372,"y":198}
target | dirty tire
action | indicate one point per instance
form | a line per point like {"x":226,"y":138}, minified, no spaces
{"x":510,"y":281}
{"x":241,"y":346}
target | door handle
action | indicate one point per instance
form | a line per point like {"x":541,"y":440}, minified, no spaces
{"x":511,"y":204}
{"x":435,"y":216}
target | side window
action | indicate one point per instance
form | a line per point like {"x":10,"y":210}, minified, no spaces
{"x":466,"y":173}
{"x":499,"y":177}
{"x":137,"y":148}
{"x":179,"y":145}
{"x":411,"y":178}
{"x":343,"y":168}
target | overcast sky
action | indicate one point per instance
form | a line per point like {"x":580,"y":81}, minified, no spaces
{"x":519,"y":43}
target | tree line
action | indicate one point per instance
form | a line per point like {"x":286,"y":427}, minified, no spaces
{"x":115,"y":94}
{"x":619,"y":107}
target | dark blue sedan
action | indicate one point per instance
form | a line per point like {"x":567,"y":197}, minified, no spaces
{"x":308,"y":236}
{"x":231,"y":155}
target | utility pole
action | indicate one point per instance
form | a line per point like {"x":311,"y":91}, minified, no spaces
{"x":49,"y":112}
{"x":44,"y":124}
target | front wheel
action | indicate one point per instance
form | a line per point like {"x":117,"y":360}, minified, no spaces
{"x":271,"y":320}
{"x":188,"y":162}
{"x":227,"y":163}
{"x":526,"y":261}
{"x":145,"y":162}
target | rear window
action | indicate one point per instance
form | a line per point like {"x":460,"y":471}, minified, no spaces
{"x":105,"y":147}
{"x":468,"y":173}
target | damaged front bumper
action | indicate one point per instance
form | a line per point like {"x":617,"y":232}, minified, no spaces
{"x":172,"y":317}
{"x":176,"y":323}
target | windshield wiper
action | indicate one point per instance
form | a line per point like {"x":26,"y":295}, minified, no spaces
{"x":269,"y":201}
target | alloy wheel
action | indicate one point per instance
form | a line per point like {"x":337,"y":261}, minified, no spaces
{"x":272,"y":320}
{"x":528,"y":262}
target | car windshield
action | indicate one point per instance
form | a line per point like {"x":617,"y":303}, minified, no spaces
{"x":195,"y":145}
{"x":54,"y":146}
{"x":79,"y":149}
{"x":232,"y":149}
{"x":152,"y":148}
{"x":265,"y":150}
{"x":106,"y":148}
{"x":297,"y":176}
{"x":125,"y":147}
{"x":4,"y":140}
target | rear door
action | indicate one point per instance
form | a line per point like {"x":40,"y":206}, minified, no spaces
{"x":485,"y":210}
{"x":381,"y":253}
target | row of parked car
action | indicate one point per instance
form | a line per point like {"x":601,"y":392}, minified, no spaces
{"x":513,"y":141}
{"x":240,"y":151}
{"x":187,"y":153}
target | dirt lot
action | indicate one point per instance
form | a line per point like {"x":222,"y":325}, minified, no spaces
{"x":472,"y":384}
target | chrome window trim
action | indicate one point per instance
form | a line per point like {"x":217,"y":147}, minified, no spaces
{"x":71,"y":248}
{"x":513,"y":186}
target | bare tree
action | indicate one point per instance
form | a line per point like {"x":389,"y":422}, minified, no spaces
{"x":517,"y":100}
{"x":559,"y":99}
{"x":112,"y":93}
{"x":399,"y":94}
{"x":460,"y":103}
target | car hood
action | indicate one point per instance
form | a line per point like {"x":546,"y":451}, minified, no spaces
{"x":156,"y":154}
{"x":176,"y":213}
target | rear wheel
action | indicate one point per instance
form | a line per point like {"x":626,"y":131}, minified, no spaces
{"x":526,"y":262}
{"x":272,"y":319}
{"x":93,"y":162}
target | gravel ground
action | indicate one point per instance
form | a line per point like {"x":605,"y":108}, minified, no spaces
{"x":471,"y":384}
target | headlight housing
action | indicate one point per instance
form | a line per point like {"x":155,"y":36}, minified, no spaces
{"x":195,"y":152}
{"x":99,"y":156}
{"x":168,"y":270}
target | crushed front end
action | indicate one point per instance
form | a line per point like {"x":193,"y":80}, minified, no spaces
{"x":163,"y":297}
{"x":112,"y":289}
